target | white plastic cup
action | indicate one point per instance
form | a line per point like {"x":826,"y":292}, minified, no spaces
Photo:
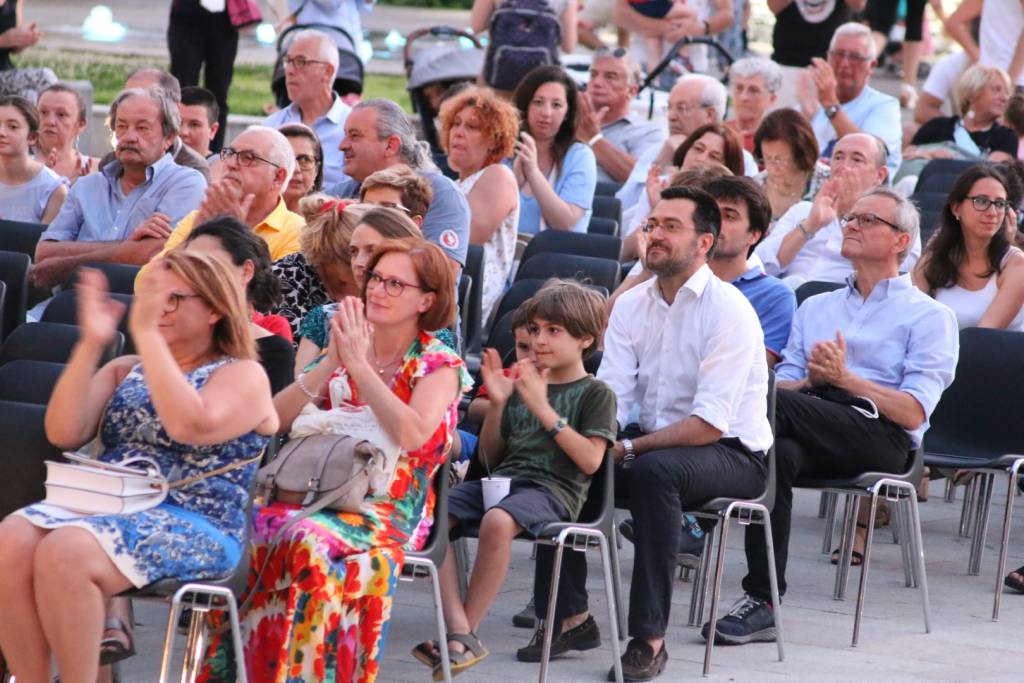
{"x":495,"y":488}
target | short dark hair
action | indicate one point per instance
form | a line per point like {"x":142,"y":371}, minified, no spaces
{"x":521,"y":316}
{"x":238,"y":240}
{"x":25,"y":108}
{"x":706,"y":216}
{"x":732,"y":146}
{"x":574,"y":306}
{"x":193,"y":95}
{"x":759,"y":209}
{"x":793,"y":128}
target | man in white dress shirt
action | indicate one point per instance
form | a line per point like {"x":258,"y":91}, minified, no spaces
{"x":687,"y":349}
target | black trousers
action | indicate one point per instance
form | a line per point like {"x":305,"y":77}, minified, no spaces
{"x":659,"y":485}
{"x":815,"y":438}
{"x":211,"y":39}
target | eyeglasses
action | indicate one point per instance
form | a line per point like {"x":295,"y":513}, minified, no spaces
{"x":618,"y":52}
{"x":393,"y":287}
{"x":306,"y":162}
{"x":245,"y":157}
{"x":299,"y":62}
{"x":781,"y":162}
{"x":671,"y":228}
{"x":393,"y":205}
{"x":683,"y":109}
{"x":174,"y":300}
{"x":865,"y":221}
{"x":981,"y":203}
{"x":840,"y":55}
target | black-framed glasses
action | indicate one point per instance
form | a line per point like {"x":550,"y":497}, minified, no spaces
{"x":393,"y":287}
{"x":174,"y":300}
{"x":306,"y":162}
{"x":672,"y":227}
{"x":853,"y":57}
{"x":245,"y":157}
{"x":865,"y":221}
{"x":299,"y":62}
{"x":981,"y":203}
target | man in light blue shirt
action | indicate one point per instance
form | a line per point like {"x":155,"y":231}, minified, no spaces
{"x":864,"y":368}
{"x":845,"y":103}
{"x":309,"y":69}
{"x":124,"y":213}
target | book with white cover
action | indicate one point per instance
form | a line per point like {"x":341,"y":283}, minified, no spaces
{"x":93,"y":502}
{"x":118,"y":481}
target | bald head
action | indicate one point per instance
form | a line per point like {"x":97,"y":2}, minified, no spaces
{"x":148,"y":78}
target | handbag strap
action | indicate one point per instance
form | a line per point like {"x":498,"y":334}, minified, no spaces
{"x":188,"y":481}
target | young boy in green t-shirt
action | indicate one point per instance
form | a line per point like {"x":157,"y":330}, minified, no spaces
{"x":547,"y":428}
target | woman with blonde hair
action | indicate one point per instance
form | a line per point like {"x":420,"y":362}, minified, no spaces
{"x":196,"y":402}
{"x":478,"y":131}
{"x":63,"y":118}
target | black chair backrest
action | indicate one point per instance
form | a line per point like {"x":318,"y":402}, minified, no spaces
{"x":120,"y":277}
{"x":579,"y":244}
{"x":64,"y":309}
{"x":606,"y":188}
{"x":768,"y":499}
{"x":441,"y":161}
{"x":607,"y":207}
{"x":603,"y":226}
{"x":465,"y":286}
{"x":940,"y":174}
{"x":14,"y":274}
{"x":472,"y":334}
{"x":502,"y":338}
{"x":20,"y":237}
{"x":22,"y":469}
{"x":3,"y":298}
{"x":809,"y":289}
{"x":436,"y":546}
{"x":50,"y":342}
{"x":598,"y":271}
{"x":29,"y":381}
{"x":929,"y":205}
{"x":974,"y":416}
{"x":520,"y":291}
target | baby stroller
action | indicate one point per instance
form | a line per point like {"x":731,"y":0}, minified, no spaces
{"x":348,"y":80}
{"x":672,"y":61}
{"x":432,"y":70}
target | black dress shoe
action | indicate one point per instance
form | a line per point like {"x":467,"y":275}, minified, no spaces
{"x":586,"y":636}
{"x":639,"y":663}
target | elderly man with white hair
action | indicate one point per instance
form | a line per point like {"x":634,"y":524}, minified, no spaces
{"x":755,"y":84}
{"x":841,"y":101}
{"x":257,"y":166}
{"x":309,"y":69}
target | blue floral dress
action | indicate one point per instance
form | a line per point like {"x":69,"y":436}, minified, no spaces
{"x":197,"y":532}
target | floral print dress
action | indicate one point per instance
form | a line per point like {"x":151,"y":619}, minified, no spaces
{"x":198,"y":531}
{"x":323,"y":600}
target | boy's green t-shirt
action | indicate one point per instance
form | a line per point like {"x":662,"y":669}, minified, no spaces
{"x":588,"y":406}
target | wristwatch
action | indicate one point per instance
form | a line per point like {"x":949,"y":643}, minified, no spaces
{"x":558,"y":427}
{"x":627,"y":445}
{"x":831,"y":111}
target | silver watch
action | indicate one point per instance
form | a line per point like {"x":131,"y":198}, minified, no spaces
{"x":627,"y":446}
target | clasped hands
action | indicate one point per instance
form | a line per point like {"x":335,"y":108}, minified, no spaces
{"x":524,"y":378}
{"x":827,"y":364}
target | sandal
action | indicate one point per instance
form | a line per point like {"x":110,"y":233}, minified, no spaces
{"x":474,"y":653}
{"x":1015,"y":580}
{"x":113,"y":649}
{"x":856,"y":557}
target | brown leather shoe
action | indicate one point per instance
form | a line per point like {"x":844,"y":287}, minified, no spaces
{"x":639,"y":663}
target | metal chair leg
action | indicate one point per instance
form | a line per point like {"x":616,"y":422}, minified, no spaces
{"x":773,"y":581}
{"x":614,"y":607}
{"x":866,"y":563}
{"x":981,"y":514}
{"x":967,"y":511}
{"x":830,"y":522}
{"x":442,"y":630}
{"x":846,"y":547}
{"x":461,"y":549}
{"x":949,"y":494}
{"x":900,"y":511}
{"x":1011,"y":490}
{"x":549,"y":618}
{"x":921,"y":574}
{"x":823,"y":505}
{"x":620,"y":599}
{"x":700,"y":579}
{"x":716,"y":589}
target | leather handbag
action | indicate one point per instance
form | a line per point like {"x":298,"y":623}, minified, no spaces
{"x":243,"y":13}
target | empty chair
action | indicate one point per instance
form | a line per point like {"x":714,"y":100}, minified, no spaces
{"x":120,"y":276}
{"x":50,"y":342}
{"x":607,"y":207}
{"x":520,"y":291}
{"x":465,"y":286}
{"x":809,"y":289}
{"x":64,"y":309}
{"x":598,"y":271}
{"x":607,"y":188}
{"x":472,"y":332}
{"x":603,"y":226}
{"x":14,"y":274}
{"x":940,"y":174}
{"x":26,"y":448}
{"x":20,"y":237}
{"x":29,"y":381}
{"x":580,"y":244}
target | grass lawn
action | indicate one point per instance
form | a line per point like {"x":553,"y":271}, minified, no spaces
{"x":250,"y":88}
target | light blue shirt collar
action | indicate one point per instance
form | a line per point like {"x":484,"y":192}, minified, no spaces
{"x":114,"y":169}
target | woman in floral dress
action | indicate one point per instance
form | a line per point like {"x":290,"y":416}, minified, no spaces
{"x":193,"y":400}
{"x":320,"y":606}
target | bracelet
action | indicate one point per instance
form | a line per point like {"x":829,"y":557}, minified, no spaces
{"x":807,"y":234}
{"x":302,"y":385}
{"x":596,"y":139}
{"x":627,"y":446}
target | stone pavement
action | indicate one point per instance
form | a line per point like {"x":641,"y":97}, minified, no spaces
{"x":965,"y":645}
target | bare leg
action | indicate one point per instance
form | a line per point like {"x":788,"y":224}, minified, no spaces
{"x":21,"y":633}
{"x":588,"y":37}
{"x":451,"y":601}
{"x":70,"y":562}
{"x":497,"y":531}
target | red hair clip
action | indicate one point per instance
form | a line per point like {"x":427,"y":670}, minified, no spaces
{"x":336,"y":204}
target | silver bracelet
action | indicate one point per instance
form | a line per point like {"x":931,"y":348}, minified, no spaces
{"x":630,"y":454}
{"x":302,"y":385}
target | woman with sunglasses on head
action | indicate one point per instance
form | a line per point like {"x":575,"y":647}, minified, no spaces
{"x":970,"y":264}
{"x":320,"y":610}
{"x":309,"y":164}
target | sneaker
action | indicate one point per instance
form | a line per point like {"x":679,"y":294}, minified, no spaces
{"x":691,"y":546}
{"x":639,"y":663}
{"x":586,"y":636}
{"x":527,"y":618}
{"x":750,"y":620}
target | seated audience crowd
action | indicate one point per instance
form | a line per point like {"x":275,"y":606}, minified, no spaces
{"x":301,"y":284}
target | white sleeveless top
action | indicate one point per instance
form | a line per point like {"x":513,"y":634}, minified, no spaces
{"x":499,"y":251}
{"x":27,"y":202}
{"x":970,"y":305}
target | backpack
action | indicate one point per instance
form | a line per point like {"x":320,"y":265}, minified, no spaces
{"x":524,"y":34}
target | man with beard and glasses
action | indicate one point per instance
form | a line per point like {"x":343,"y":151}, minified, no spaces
{"x":687,"y":351}
{"x":123,"y":213}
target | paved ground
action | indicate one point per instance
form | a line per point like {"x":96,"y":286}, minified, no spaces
{"x":965,"y":645}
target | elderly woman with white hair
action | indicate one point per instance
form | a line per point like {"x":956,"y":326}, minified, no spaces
{"x":754,"y":84}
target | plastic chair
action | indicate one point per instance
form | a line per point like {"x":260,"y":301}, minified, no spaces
{"x":599,"y":271}
{"x":970,"y":429}
{"x":930,"y":205}
{"x":3,"y":297}
{"x":20,"y":237}
{"x":752,"y":511}
{"x":901,"y":492}
{"x":809,"y":289}
{"x":603,"y":226}
{"x":607,"y":207}
{"x":26,"y":448}
{"x":64,"y":309}
{"x":578,"y":244}
{"x":51,"y":342}
{"x":14,"y":274}
{"x":29,"y":381}
{"x":514,"y":296}
{"x":939,"y":175}
{"x":465,"y":286}
{"x":120,"y":277}
{"x":607,"y":188}
{"x":431,"y":557}
{"x":472,"y":332}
